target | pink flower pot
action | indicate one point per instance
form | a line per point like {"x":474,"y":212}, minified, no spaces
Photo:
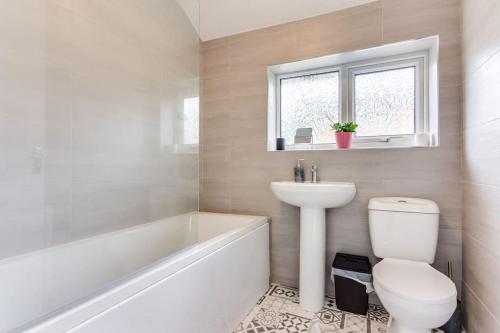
{"x":344,"y":139}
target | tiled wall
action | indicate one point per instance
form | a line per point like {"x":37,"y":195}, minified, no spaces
{"x":237,"y":170}
{"x":91,"y":96}
{"x":481,"y":164}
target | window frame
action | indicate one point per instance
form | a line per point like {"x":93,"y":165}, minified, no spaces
{"x":347,"y":72}
{"x":291,"y":75}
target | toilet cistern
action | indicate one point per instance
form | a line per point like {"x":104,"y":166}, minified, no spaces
{"x":313,"y":199}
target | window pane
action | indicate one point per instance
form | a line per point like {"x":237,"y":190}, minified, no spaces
{"x":310,"y":101}
{"x":191,"y":120}
{"x":384,"y":102}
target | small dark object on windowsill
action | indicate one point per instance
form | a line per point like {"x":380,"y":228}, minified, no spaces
{"x":280,"y":144}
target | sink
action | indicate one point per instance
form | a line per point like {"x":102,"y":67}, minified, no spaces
{"x":313,"y":199}
{"x":319,"y":195}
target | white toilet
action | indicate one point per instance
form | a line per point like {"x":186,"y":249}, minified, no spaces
{"x":404,"y":232}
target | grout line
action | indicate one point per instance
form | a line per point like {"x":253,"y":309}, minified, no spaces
{"x":476,"y":126}
{"x":482,"y":64}
{"x":496,"y":187}
{"x":480,"y":302}
{"x":480,"y":244}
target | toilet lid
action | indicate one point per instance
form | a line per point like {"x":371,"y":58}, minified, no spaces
{"x":414,"y":280}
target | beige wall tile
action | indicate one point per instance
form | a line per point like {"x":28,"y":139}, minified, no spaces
{"x":482,"y":272}
{"x":450,"y":110}
{"x":482,"y":214}
{"x":407,"y":19}
{"x":479,"y":43}
{"x":478,"y":318}
{"x":424,"y":164}
{"x":345,"y":30}
{"x":89,"y":113}
{"x":215,"y":195}
{"x":215,"y":119}
{"x":479,"y":96}
{"x":427,"y":173}
{"x":216,"y":161}
{"x":266,"y":46}
{"x":481,"y":154}
{"x":285,"y":267}
{"x":215,"y":61}
{"x":450,"y":250}
{"x":481,"y":162}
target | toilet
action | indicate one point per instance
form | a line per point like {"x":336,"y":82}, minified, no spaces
{"x":404,"y":233}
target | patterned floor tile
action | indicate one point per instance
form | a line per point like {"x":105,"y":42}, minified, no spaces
{"x":330,"y":303}
{"x":377,"y":313}
{"x":318,"y":327}
{"x":279,"y":311}
{"x":274,"y":303}
{"x":284,"y":292}
{"x":375,"y":327}
{"x":355,"y":324}
{"x":269,"y":318}
{"x":295,"y":309}
{"x":331,"y":317}
{"x":294,"y":324}
{"x":256,"y":327}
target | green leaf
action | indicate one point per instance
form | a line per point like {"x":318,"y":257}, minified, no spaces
{"x":344,"y":127}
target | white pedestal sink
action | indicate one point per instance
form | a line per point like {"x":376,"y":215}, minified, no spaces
{"x":313,"y":199}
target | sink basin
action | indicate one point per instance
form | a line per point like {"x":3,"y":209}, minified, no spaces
{"x":313,"y":199}
{"x":319,"y":195}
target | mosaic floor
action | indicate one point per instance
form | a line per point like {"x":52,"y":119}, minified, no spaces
{"x":278,"y":311}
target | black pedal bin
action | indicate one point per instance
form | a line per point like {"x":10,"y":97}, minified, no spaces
{"x":350,"y":295}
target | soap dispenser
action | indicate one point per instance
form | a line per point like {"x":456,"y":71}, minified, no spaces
{"x":299,"y":172}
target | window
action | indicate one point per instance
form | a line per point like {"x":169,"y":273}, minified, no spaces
{"x":381,"y":98}
{"x":191,"y":121}
{"x":309,"y":101}
{"x":388,"y":99}
{"x":386,"y":93}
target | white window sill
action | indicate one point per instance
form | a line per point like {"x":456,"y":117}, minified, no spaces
{"x":355,"y":146}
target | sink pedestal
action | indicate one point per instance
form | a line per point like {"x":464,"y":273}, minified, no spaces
{"x":312,"y":258}
{"x":313,"y":199}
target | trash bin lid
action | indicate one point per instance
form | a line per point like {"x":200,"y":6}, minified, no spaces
{"x":353,"y":263}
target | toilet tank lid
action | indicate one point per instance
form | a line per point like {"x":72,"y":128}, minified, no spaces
{"x":403,"y":204}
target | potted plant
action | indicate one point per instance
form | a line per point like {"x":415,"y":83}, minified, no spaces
{"x":343,"y":133}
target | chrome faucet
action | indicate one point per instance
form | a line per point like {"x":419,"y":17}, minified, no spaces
{"x":314,"y":173}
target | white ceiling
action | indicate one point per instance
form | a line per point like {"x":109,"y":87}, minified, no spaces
{"x":220,"y":18}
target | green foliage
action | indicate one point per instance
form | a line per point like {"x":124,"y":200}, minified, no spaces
{"x":344,"y":127}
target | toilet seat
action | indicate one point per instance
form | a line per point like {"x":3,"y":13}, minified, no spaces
{"x":417,"y":282}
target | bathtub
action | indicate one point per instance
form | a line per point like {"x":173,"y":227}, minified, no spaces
{"x":198,"y":272}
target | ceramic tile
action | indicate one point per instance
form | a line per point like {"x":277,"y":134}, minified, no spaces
{"x":89,"y":118}
{"x":481,"y":122}
{"x":482,"y":272}
{"x":481,"y":211}
{"x":346,"y":30}
{"x":478,"y":317}
{"x":479,"y":44}
{"x":242,"y":97}
{"x":481,"y":154}
{"x":279,"y":311}
{"x":480,"y":105}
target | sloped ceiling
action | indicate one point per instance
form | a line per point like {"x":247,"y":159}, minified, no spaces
{"x":220,"y":18}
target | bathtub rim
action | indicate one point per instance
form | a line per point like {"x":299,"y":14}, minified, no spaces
{"x":74,"y":313}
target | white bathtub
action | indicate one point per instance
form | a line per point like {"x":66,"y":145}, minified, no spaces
{"x":198,"y":272}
